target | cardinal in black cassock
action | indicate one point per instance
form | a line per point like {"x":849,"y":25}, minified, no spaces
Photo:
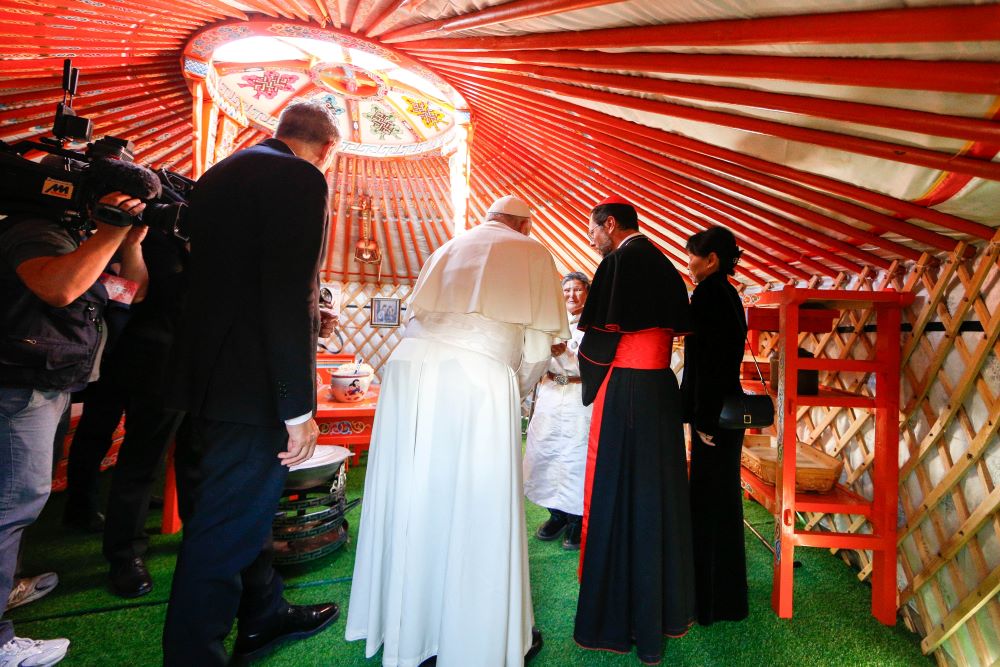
{"x":636,"y":569}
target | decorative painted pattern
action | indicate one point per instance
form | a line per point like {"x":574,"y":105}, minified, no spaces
{"x":333,"y":104}
{"x":382,"y":123}
{"x":348,"y":80}
{"x":427,"y":114}
{"x":343,"y":427}
{"x":270,"y":83}
{"x":395,"y":150}
{"x":224,"y":97}
{"x":195,"y":67}
{"x":208,"y":40}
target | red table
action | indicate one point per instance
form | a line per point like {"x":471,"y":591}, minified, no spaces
{"x":345,"y":424}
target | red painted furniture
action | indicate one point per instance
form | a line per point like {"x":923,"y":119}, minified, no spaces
{"x":781,"y":499}
{"x":345,"y":424}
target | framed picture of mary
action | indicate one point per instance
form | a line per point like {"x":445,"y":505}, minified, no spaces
{"x":385,"y":312}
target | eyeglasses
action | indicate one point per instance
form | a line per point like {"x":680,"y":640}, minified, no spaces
{"x":593,"y":230}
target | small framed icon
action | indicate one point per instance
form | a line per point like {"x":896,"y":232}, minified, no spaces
{"x":385,"y":312}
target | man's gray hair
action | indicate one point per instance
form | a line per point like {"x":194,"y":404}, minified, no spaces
{"x":310,"y":121}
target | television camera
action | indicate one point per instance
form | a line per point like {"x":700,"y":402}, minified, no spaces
{"x":61,"y":184}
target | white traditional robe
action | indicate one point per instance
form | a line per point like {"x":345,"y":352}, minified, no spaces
{"x":555,"y":459}
{"x":442,"y":562}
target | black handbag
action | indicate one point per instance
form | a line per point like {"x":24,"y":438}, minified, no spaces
{"x":743,"y":411}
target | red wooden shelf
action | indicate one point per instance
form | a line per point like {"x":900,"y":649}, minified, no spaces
{"x":782,"y":311}
{"x":830,"y":540}
{"x":827,"y":395}
{"x":832,"y":299}
{"x":838,"y":500}
{"x":814,"y":321}
{"x":835,"y":398}
{"x":849,"y":365}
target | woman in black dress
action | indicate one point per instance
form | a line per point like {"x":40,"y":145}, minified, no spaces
{"x":712,"y":356}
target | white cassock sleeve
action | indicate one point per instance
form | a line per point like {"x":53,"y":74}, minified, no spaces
{"x":535,"y":356}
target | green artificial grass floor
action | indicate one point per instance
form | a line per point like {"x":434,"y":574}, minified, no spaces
{"x":832,"y":624}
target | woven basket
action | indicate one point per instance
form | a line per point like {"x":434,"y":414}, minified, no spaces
{"x":815,"y":470}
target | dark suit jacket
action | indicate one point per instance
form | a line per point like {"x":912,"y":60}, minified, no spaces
{"x":712,"y":352}
{"x":246,"y":348}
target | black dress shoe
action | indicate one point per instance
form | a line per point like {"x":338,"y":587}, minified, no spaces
{"x":130,"y":579}
{"x":89,"y":522}
{"x":536,"y":645}
{"x":571,"y":541}
{"x":552,"y":528}
{"x":296,"y":622}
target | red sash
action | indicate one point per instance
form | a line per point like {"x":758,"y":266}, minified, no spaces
{"x":643,"y":350}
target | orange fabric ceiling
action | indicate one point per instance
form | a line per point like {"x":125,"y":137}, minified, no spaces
{"x":846,"y":137}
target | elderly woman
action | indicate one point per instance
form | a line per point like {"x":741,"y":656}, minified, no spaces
{"x":712,"y":356}
{"x":556,"y":457}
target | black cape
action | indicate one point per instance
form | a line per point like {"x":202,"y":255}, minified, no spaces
{"x":635,"y":288}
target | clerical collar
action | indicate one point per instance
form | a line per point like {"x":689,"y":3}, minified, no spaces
{"x":628,"y":239}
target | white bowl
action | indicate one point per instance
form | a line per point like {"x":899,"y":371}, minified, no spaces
{"x":349,"y":383}
{"x":319,"y":469}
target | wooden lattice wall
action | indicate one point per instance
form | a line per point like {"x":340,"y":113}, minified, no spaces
{"x":949,"y":528}
{"x":375,"y":344}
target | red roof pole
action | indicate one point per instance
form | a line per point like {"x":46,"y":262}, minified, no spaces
{"x":627,"y":181}
{"x":668,"y":143}
{"x":878,"y":220}
{"x":581,"y":212}
{"x":952,"y":76}
{"x":668,"y":211}
{"x":665,"y":168}
{"x":846,"y":142}
{"x":894,"y":118}
{"x":439,"y":221}
{"x":503,"y":13}
{"x":494,"y":180}
{"x":370,"y":27}
{"x":780,"y":222}
{"x":337,"y":186}
{"x":569,"y":247}
{"x":964,"y":23}
{"x":389,"y":201}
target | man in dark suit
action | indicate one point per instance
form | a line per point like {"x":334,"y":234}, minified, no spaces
{"x":245,"y":371}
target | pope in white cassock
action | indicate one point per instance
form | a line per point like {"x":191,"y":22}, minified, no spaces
{"x":442,"y":562}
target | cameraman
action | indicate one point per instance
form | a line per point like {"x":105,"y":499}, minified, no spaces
{"x":53,"y":297}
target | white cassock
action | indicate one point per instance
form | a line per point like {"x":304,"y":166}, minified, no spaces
{"x":442,"y":562}
{"x":555,"y":459}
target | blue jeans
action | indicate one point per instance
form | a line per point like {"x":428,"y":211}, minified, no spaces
{"x":28,"y":421}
